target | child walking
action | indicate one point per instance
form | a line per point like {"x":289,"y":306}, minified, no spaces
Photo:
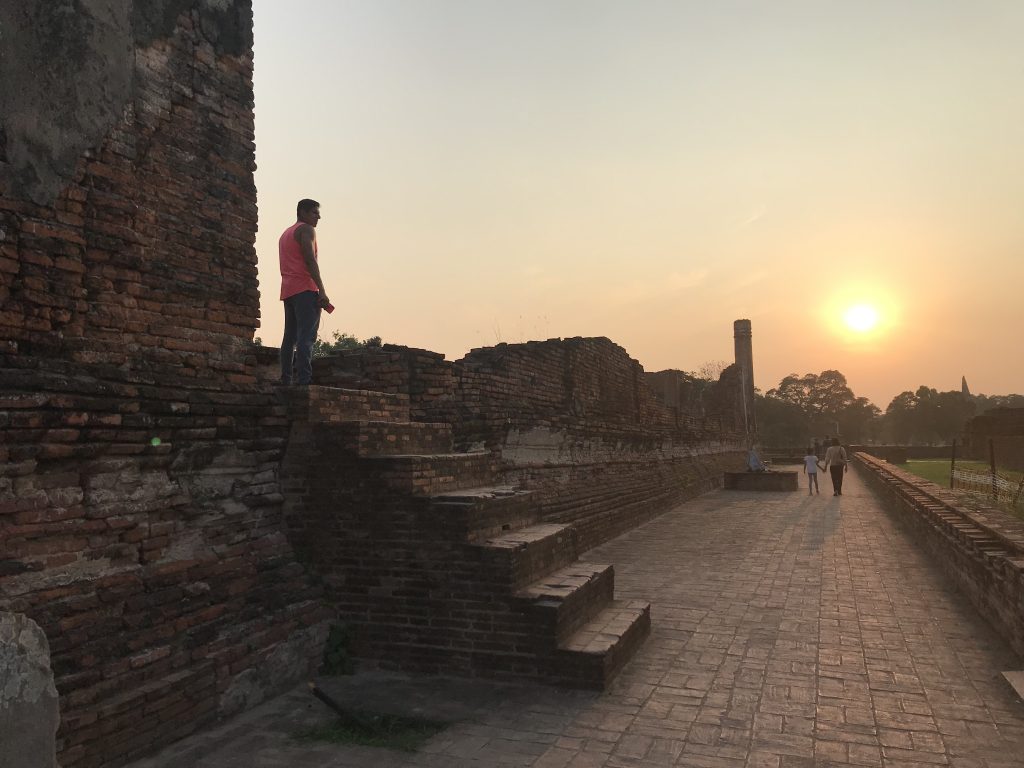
{"x":811,"y":466}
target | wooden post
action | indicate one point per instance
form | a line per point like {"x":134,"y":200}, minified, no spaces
{"x":952,"y":466}
{"x":992,"y":464}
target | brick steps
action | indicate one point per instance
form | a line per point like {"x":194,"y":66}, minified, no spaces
{"x":607,"y":498}
{"x":600,"y":648}
{"x":565,"y":600}
{"x":477,"y":514}
{"x":331,"y":405}
{"x":373,"y":439}
{"x":505,"y":591}
{"x":431,"y":475}
{"x":519,"y":558}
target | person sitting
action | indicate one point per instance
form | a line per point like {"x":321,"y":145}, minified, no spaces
{"x":754,"y":463}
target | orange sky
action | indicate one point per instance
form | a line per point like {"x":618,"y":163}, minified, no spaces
{"x":496,"y":171}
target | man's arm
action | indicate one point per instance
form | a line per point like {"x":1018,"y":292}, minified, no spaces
{"x":306,"y":236}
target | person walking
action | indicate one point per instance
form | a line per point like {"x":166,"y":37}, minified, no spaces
{"x":302,"y":291}
{"x":811,"y":467}
{"x":836,"y":464}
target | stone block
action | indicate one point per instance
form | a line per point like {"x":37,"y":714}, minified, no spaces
{"x":29,"y":710}
{"x":761,"y":481}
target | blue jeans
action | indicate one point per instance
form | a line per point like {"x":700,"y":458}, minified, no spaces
{"x":301,"y":322}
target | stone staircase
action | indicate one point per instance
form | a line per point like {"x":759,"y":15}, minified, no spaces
{"x":509,"y":596}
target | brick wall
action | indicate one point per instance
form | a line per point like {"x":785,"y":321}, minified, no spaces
{"x":571,"y":424}
{"x":140,"y":512}
{"x":980,"y":548}
{"x":574,"y":420}
{"x":141,"y":508}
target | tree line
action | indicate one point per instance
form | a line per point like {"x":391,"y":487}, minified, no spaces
{"x":822,"y":404}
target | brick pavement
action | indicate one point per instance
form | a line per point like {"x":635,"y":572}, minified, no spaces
{"x":788,"y":632}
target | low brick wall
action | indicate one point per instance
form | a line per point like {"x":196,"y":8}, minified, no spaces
{"x":981,"y":549}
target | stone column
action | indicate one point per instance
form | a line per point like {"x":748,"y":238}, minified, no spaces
{"x":745,"y":362}
{"x":29,"y":709}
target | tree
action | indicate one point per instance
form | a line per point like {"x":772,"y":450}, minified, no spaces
{"x":928,"y":416}
{"x":816,"y":404}
{"x":781,"y":424}
{"x":343,"y":342}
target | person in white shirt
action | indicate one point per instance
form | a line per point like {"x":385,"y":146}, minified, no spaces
{"x":811,"y":466}
{"x":835,"y":463}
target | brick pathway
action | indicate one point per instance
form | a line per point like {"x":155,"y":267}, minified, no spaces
{"x":788,"y":631}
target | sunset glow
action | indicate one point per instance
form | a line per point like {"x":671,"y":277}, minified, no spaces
{"x":861,"y":318}
{"x":505,"y":172}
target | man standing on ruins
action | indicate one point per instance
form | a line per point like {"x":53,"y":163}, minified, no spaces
{"x":302,"y":292}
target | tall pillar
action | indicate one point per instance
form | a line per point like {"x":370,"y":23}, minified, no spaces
{"x":745,"y":362}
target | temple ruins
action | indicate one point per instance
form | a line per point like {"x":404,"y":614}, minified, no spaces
{"x":182,"y":535}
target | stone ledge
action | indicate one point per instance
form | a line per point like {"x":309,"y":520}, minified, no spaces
{"x":981,"y":552}
{"x":761,"y":481}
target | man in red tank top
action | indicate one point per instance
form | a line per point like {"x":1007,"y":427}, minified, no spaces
{"x":302,"y":292}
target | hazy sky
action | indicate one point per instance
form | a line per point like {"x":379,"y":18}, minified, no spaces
{"x":651,"y":171}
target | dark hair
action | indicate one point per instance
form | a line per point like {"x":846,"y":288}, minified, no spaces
{"x":809,"y":450}
{"x":305,"y":205}
{"x":835,"y":441}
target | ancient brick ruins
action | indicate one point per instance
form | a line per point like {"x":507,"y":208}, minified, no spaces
{"x":183,"y":535}
{"x":1004,"y":427}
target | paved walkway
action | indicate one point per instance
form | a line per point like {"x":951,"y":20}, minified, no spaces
{"x":788,"y":632}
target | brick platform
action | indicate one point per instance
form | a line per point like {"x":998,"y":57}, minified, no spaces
{"x":789,"y":632}
{"x":435,"y":563}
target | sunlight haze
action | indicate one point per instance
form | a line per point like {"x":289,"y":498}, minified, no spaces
{"x":652,"y":171}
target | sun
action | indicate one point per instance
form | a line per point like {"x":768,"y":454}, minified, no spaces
{"x":861,"y":318}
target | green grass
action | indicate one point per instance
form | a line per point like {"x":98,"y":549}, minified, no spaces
{"x":387,"y":731}
{"x":937,"y":470}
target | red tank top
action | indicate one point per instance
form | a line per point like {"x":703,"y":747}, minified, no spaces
{"x":294,"y":275}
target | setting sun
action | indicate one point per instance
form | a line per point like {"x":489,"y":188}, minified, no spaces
{"x":861,"y":318}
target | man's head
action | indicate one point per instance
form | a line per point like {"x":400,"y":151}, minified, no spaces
{"x":308,"y":212}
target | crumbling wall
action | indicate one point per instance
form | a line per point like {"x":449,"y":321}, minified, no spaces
{"x":437,"y":499}
{"x":140,"y":513}
{"x":573,"y":420}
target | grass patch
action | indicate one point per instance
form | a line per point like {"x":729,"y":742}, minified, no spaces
{"x":937,"y":470}
{"x":406,"y":734}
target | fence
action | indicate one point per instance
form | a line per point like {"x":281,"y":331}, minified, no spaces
{"x":987,"y":483}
